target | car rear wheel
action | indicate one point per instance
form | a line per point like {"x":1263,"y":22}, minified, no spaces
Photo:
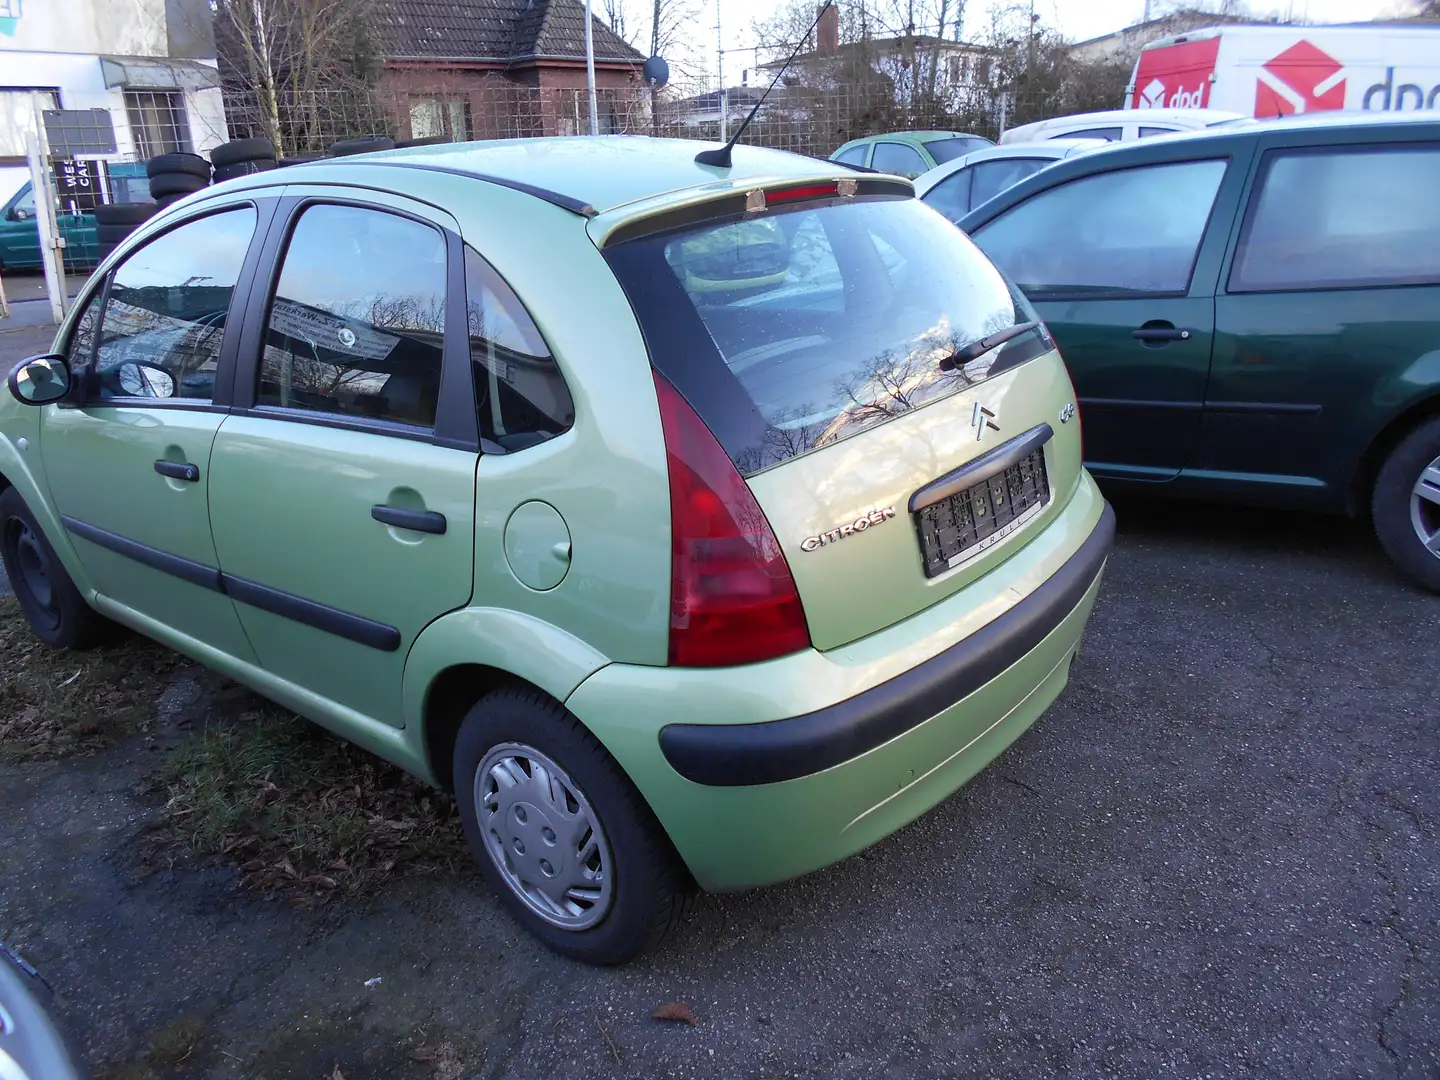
{"x":52,"y":604}
{"x":560,"y":832}
{"x":1406,"y":505}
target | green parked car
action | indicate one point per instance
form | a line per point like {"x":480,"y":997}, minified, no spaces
{"x":1250,"y":314}
{"x":908,"y":153}
{"x":694,"y":524}
{"x":20,"y":234}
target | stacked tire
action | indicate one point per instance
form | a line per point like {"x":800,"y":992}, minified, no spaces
{"x":173,"y":176}
{"x":241,"y":157}
{"x":365,"y":144}
{"x":115,"y":221}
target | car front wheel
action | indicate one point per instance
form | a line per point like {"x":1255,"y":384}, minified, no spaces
{"x":1406,"y":505}
{"x":561,"y":834}
{"x":52,"y":604}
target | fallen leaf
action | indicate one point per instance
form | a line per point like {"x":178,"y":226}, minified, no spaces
{"x":675,"y":1011}
{"x":336,"y":1075}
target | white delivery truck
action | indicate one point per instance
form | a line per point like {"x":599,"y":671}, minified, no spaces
{"x":1266,"y":71}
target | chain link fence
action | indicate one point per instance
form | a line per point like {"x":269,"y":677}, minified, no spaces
{"x":810,"y":120}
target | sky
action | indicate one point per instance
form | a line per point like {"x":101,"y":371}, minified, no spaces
{"x":1076,"y":19}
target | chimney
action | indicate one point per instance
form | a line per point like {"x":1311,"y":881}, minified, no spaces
{"x":827,"y":35}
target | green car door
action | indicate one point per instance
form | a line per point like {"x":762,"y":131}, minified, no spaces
{"x":342,"y":507}
{"x":1326,"y":315}
{"x":1121,"y":264}
{"x":128,"y":460}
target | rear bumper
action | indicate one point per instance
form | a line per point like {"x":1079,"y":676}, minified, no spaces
{"x":732,"y":755}
{"x":810,"y":758}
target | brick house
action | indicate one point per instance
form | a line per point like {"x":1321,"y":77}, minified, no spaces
{"x":477,"y":69}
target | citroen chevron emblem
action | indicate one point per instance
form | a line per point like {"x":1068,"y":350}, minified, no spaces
{"x":982,"y":419}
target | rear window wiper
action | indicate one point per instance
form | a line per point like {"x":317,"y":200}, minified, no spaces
{"x":963,"y":355}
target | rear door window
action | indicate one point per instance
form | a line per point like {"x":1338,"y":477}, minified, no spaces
{"x":1131,"y":232}
{"x":1342,"y":218}
{"x":897,"y":158}
{"x":993,"y":177}
{"x":790,"y":331}
{"x":945,"y":150}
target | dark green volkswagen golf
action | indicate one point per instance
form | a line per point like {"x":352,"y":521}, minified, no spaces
{"x":1250,"y":314}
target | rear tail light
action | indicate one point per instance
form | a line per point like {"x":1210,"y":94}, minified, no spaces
{"x":732,"y":598}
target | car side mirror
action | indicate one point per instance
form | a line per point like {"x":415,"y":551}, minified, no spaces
{"x":138,"y":379}
{"x":40,"y":380}
{"x":17,"y":214}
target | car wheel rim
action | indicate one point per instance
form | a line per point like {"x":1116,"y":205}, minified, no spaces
{"x":1425,"y":508}
{"x":543,"y":836}
{"x":33,"y":568}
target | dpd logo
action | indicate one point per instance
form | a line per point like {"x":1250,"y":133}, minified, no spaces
{"x":1301,"y":79}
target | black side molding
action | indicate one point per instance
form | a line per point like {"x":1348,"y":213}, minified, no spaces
{"x":321,"y":616}
{"x":554,"y":198}
{"x":733,"y":755}
{"x":355,"y":628}
{"x":981,"y":468}
{"x":207,"y":577}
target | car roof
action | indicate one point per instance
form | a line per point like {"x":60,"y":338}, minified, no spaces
{"x":909,"y":137}
{"x":1040,"y":148}
{"x":593,"y":173}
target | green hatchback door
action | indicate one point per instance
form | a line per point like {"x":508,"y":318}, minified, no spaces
{"x":1250,"y":314}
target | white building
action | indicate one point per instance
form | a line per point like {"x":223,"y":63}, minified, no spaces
{"x":148,"y":64}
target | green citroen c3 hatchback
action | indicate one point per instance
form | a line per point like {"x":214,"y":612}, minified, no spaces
{"x":695,"y":524}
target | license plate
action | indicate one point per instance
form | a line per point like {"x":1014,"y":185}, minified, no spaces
{"x":956,"y":529}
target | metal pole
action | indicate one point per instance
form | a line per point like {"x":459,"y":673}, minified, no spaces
{"x":720,"y":70}
{"x":590,"y":70}
{"x":50,"y":239}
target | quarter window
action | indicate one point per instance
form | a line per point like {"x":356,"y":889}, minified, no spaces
{"x":165,"y":314}
{"x":521,"y":395}
{"x":1109,"y":134}
{"x":897,"y":158}
{"x":854,"y":156}
{"x":951,"y":196}
{"x":1342,"y":219}
{"x":80,"y":350}
{"x":1124,"y":233}
{"x":357,"y":324}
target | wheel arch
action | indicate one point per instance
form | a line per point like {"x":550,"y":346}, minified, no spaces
{"x":1373,"y":458}
{"x":462,"y":656}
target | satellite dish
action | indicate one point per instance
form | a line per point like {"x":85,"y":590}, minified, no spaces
{"x":656,"y":71}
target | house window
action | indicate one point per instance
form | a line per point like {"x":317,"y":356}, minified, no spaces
{"x":956,"y":68}
{"x":157,"y":121}
{"x":982,"y":70}
{"x":432,"y":117}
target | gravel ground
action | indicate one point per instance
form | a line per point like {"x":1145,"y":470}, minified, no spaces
{"x":1215,"y":855}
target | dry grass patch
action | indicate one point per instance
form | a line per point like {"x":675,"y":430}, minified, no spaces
{"x":54,"y":703}
{"x":301,"y":812}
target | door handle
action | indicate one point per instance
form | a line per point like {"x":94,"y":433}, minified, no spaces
{"x":178,"y":470}
{"x":426,"y":521}
{"x":1159,"y":334}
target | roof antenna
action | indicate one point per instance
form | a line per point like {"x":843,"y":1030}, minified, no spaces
{"x":721,"y":157}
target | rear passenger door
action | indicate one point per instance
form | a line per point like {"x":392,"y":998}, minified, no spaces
{"x":899,"y":159}
{"x":342,"y":488}
{"x":1325,"y":322}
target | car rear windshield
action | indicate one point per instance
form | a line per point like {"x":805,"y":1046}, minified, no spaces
{"x":788,"y":331}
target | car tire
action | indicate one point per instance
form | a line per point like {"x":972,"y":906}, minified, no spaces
{"x":1405,"y":505}
{"x":191,"y":164}
{"x":128,"y":214}
{"x":365,"y":144}
{"x":163,"y":184}
{"x":642,"y":887}
{"x":52,"y":604}
{"x":299,"y":159}
{"x":244,"y":168}
{"x":238,"y":150}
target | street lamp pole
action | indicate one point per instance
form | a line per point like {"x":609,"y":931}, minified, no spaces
{"x":590,"y":70}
